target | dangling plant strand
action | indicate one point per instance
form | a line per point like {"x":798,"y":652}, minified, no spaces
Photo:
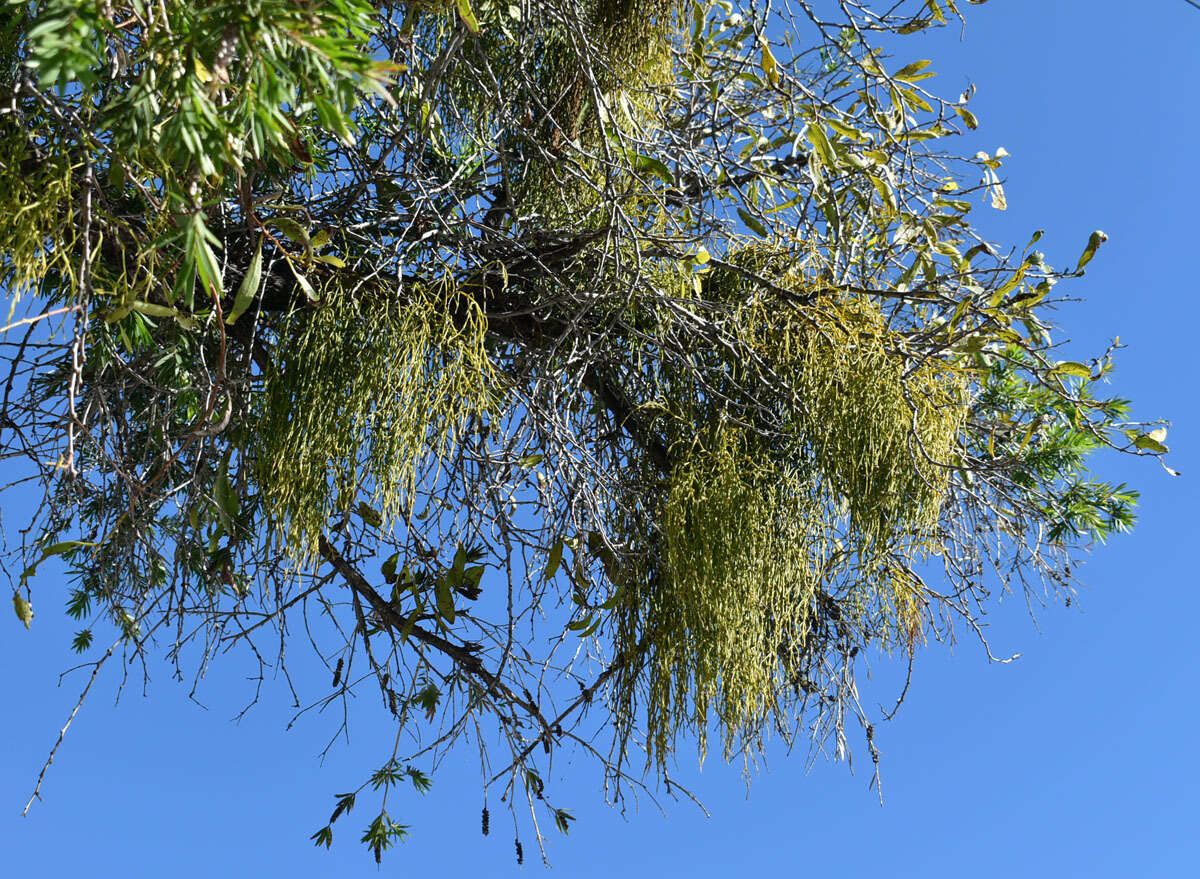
{"x":750,"y":531}
{"x":366,"y":395}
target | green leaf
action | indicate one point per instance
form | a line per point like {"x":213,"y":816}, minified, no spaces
{"x":533,"y":782}
{"x":922,"y":134}
{"x":185,"y":282}
{"x":472,"y":576}
{"x":412,"y":619}
{"x":1073,"y":368}
{"x":421,"y":782}
{"x":968,"y":117}
{"x":291,"y":229}
{"x":653,"y":166}
{"x":369,"y":515}
{"x":1094,"y":241}
{"x":444,"y":588}
{"x":912,"y":72}
{"x":580,"y":625}
{"x":345,"y":802}
{"x":383,"y":833}
{"x":388,"y":569}
{"x":886,"y":194}
{"x":303,"y":282}
{"x":428,"y":699}
{"x":324,"y":836}
{"x":563,"y":819}
{"x":248,"y":289}
{"x":208,"y":270}
{"x":849,"y":131}
{"x":154,"y":310}
{"x":1151,"y":441}
{"x":553,"y":560}
{"x":468,"y":16}
{"x":225,"y":496}
{"x":1149,"y":444}
{"x":820,"y":141}
{"x":770,"y":66}
{"x":23,"y":609}
{"x":753,"y":223}
{"x":60,"y":548}
{"x":54,"y":549}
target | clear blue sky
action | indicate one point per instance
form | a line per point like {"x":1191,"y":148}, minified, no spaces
{"x":1079,"y":759}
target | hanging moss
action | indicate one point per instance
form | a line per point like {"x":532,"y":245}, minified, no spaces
{"x":731,"y":599}
{"x":35,"y":208}
{"x":635,"y":36}
{"x":627,"y":52}
{"x":880,"y":432}
{"x":834,"y":497}
{"x":366,"y":395}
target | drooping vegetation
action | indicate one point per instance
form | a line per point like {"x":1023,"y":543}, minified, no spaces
{"x":367,"y":397}
{"x":587,"y":370}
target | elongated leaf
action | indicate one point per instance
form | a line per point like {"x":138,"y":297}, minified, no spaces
{"x":1094,"y":241}
{"x":968,"y":117}
{"x":651,"y":165}
{"x":580,"y":625}
{"x":753,"y":223}
{"x":553,"y":560}
{"x":1073,"y":368}
{"x":154,"y":310}
{"x":51,"y":550}
{"x":820,"y":142}
{"x":1149,"y":444}
{"x":445,"y":598}
{"x":369,"y":514}
{"x":208,"y":270}
{"x":185,"y":282}
{"x":912,"y":72}
{"x":304,"y":283}
{"x":468,"y":15}
{"x":1151,"y":441}
{"x":225,"y":496}
{"x":770,"y":66}
{"x":248,"y":289}
{"x":291,"y":229}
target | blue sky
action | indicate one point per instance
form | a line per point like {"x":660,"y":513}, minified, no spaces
{"x":1079,"y":759}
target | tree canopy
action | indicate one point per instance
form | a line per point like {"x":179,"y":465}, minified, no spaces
{"x":578,"y":375}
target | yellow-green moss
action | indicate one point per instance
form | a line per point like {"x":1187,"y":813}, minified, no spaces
{"x":36,"y":210}
{"x":731,"y":599}
{"x":879,"y":430}
{"x":366,"y":395}
{"x":838,"y":496}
